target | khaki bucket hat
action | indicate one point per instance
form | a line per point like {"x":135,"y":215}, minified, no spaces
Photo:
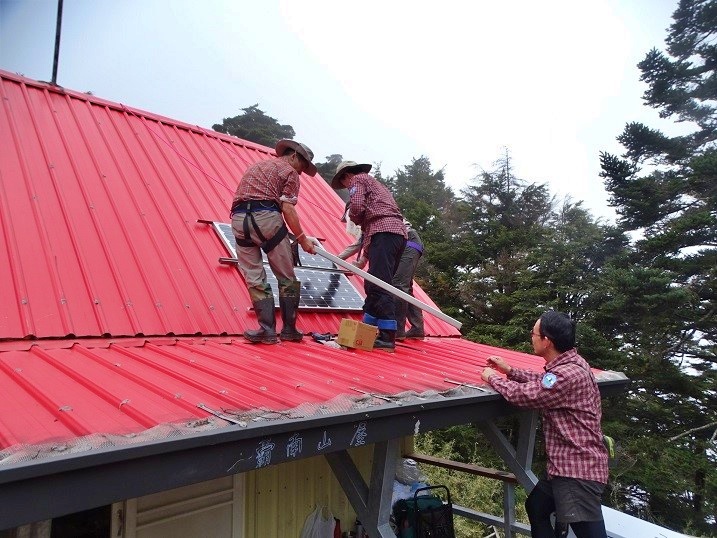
{"x":282,"y":146}
{"x":347,"y":166}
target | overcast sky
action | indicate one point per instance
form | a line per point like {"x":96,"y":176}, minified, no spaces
{"x":376,"y":81}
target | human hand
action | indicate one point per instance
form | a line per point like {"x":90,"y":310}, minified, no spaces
{"x":499,"y":364}
{"x":309,"y":244}
{"x":488,"y":373}
{"x":361,"y":262}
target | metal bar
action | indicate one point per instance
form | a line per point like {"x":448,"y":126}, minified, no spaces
{"x":380,"y":492}
{"x":371,"y":394}
{"x":505,"y":450}
{"x":469,"y":468}
{"x":58,"y":32}
{"x":465,"y":385}
{"x":234,"y":261}
{"x":391,"y":289}
{"x":221,"y":415}
{"x":351,"y":481}
{"x":526,"y":438}
{"x":488,"y":519}
{"x":508,"y":509}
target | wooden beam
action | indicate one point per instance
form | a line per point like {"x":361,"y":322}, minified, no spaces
{"x":495,"y":474}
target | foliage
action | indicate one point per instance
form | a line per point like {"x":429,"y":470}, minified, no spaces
{"x":461,"y":444}
{"x":659,"y":302}
{"x":256,"y":126}
{"x":327,"y":169}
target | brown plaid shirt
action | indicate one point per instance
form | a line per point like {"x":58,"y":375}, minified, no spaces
{"x":273,"y":179}
{"x":571,"y":413}
{"x":373,"y":208}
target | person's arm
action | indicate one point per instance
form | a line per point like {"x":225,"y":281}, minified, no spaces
{"x":543,"y":393}
{"x":292,"y":221}
{"x":350,"y":250}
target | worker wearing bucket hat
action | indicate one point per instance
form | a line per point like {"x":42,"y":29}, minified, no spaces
{"x":372,"y":207}
{"x":263,"y":206}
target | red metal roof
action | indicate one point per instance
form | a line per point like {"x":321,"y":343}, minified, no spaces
{"x":99,"y":214}
{"x":73,"y":389}
{"x":114,"y":302}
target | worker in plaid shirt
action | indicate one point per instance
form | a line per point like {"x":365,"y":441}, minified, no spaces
{"x":262,"y":208}
{"x":372,"y":207}
{"x":569,"y":401}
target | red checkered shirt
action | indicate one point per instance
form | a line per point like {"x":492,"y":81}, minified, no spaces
{"x":273,"y":179}
{"x":571,"y":413}
{"x":373,"y":208}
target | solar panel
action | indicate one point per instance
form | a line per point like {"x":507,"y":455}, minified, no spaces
{"x":323,"y":285}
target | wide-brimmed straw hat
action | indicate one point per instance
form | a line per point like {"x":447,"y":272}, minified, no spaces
{"x":347,"y":166}
{"x":282,"y":146}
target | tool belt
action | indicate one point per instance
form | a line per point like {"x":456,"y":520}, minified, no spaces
{"x":249,"y":207}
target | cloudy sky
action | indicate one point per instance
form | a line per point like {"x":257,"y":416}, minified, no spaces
{"x":377,"y":81}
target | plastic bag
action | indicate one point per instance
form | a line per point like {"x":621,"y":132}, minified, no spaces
{"x":316,"y":526}
{"x":407,"y":472}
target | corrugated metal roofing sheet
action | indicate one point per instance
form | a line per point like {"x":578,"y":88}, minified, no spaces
{"x":103,"y":264}
{"x":70,"y":389}
{"x":99,"y":213}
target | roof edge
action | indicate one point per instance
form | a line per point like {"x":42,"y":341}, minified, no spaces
{"x":90,"y":98}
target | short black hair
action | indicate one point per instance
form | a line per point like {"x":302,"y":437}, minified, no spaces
{"x":559,"y":328}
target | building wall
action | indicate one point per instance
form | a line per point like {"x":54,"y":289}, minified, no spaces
{"x":272,"y":502}
{"x":212,"y":508}
{"x":281,"y":496}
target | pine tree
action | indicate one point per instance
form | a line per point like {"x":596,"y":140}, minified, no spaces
{"x":661,"y":301}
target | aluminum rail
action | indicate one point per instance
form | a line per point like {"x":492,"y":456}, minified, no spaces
{"x":391,"y":289}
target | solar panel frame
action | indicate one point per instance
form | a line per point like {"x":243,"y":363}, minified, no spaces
{"x":323,"y":289}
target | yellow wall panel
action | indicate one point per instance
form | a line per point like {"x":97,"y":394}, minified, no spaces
{"x":281,"y":496}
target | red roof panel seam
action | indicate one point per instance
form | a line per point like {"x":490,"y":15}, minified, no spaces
{"x":67,"y":217}
{"x":248,"y":370}
{"x":11,"y":238}
{"x":198,"y":285}
{"x":124,"y":292}
{"x":150,"y":232}
{"x":96,"y":389}
{"x":230,"y":400}
{"x":168,"y":228}
{"x":98,"y":228}
{"x":70,"y":422}
{"x":134,"y":378}
{"x":226,"y":378}
{"x":128,"y":300}
{"x":58,"y":290}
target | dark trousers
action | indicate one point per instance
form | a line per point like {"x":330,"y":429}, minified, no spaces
{"x":384,"y":254}
{"x":540,"y":505}
{"x":403,"y":280}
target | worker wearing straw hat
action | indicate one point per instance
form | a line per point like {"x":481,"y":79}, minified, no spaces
{"x":372,"y":207}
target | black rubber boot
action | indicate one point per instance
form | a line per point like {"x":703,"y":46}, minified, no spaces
{"x":385,"y":340}
{"x":415,"y":334}
{"x":289,"y":308}
{"x":266,"y":333}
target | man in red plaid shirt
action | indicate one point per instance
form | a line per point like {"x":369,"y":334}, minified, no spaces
{"x":569,"y":400}
{"x":372,"y":207}
{"x":263,"y":206}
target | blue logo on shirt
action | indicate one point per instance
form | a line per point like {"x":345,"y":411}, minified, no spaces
{"x":549,"y":380}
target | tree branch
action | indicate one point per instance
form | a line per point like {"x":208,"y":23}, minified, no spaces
{"x":711,"y":424}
